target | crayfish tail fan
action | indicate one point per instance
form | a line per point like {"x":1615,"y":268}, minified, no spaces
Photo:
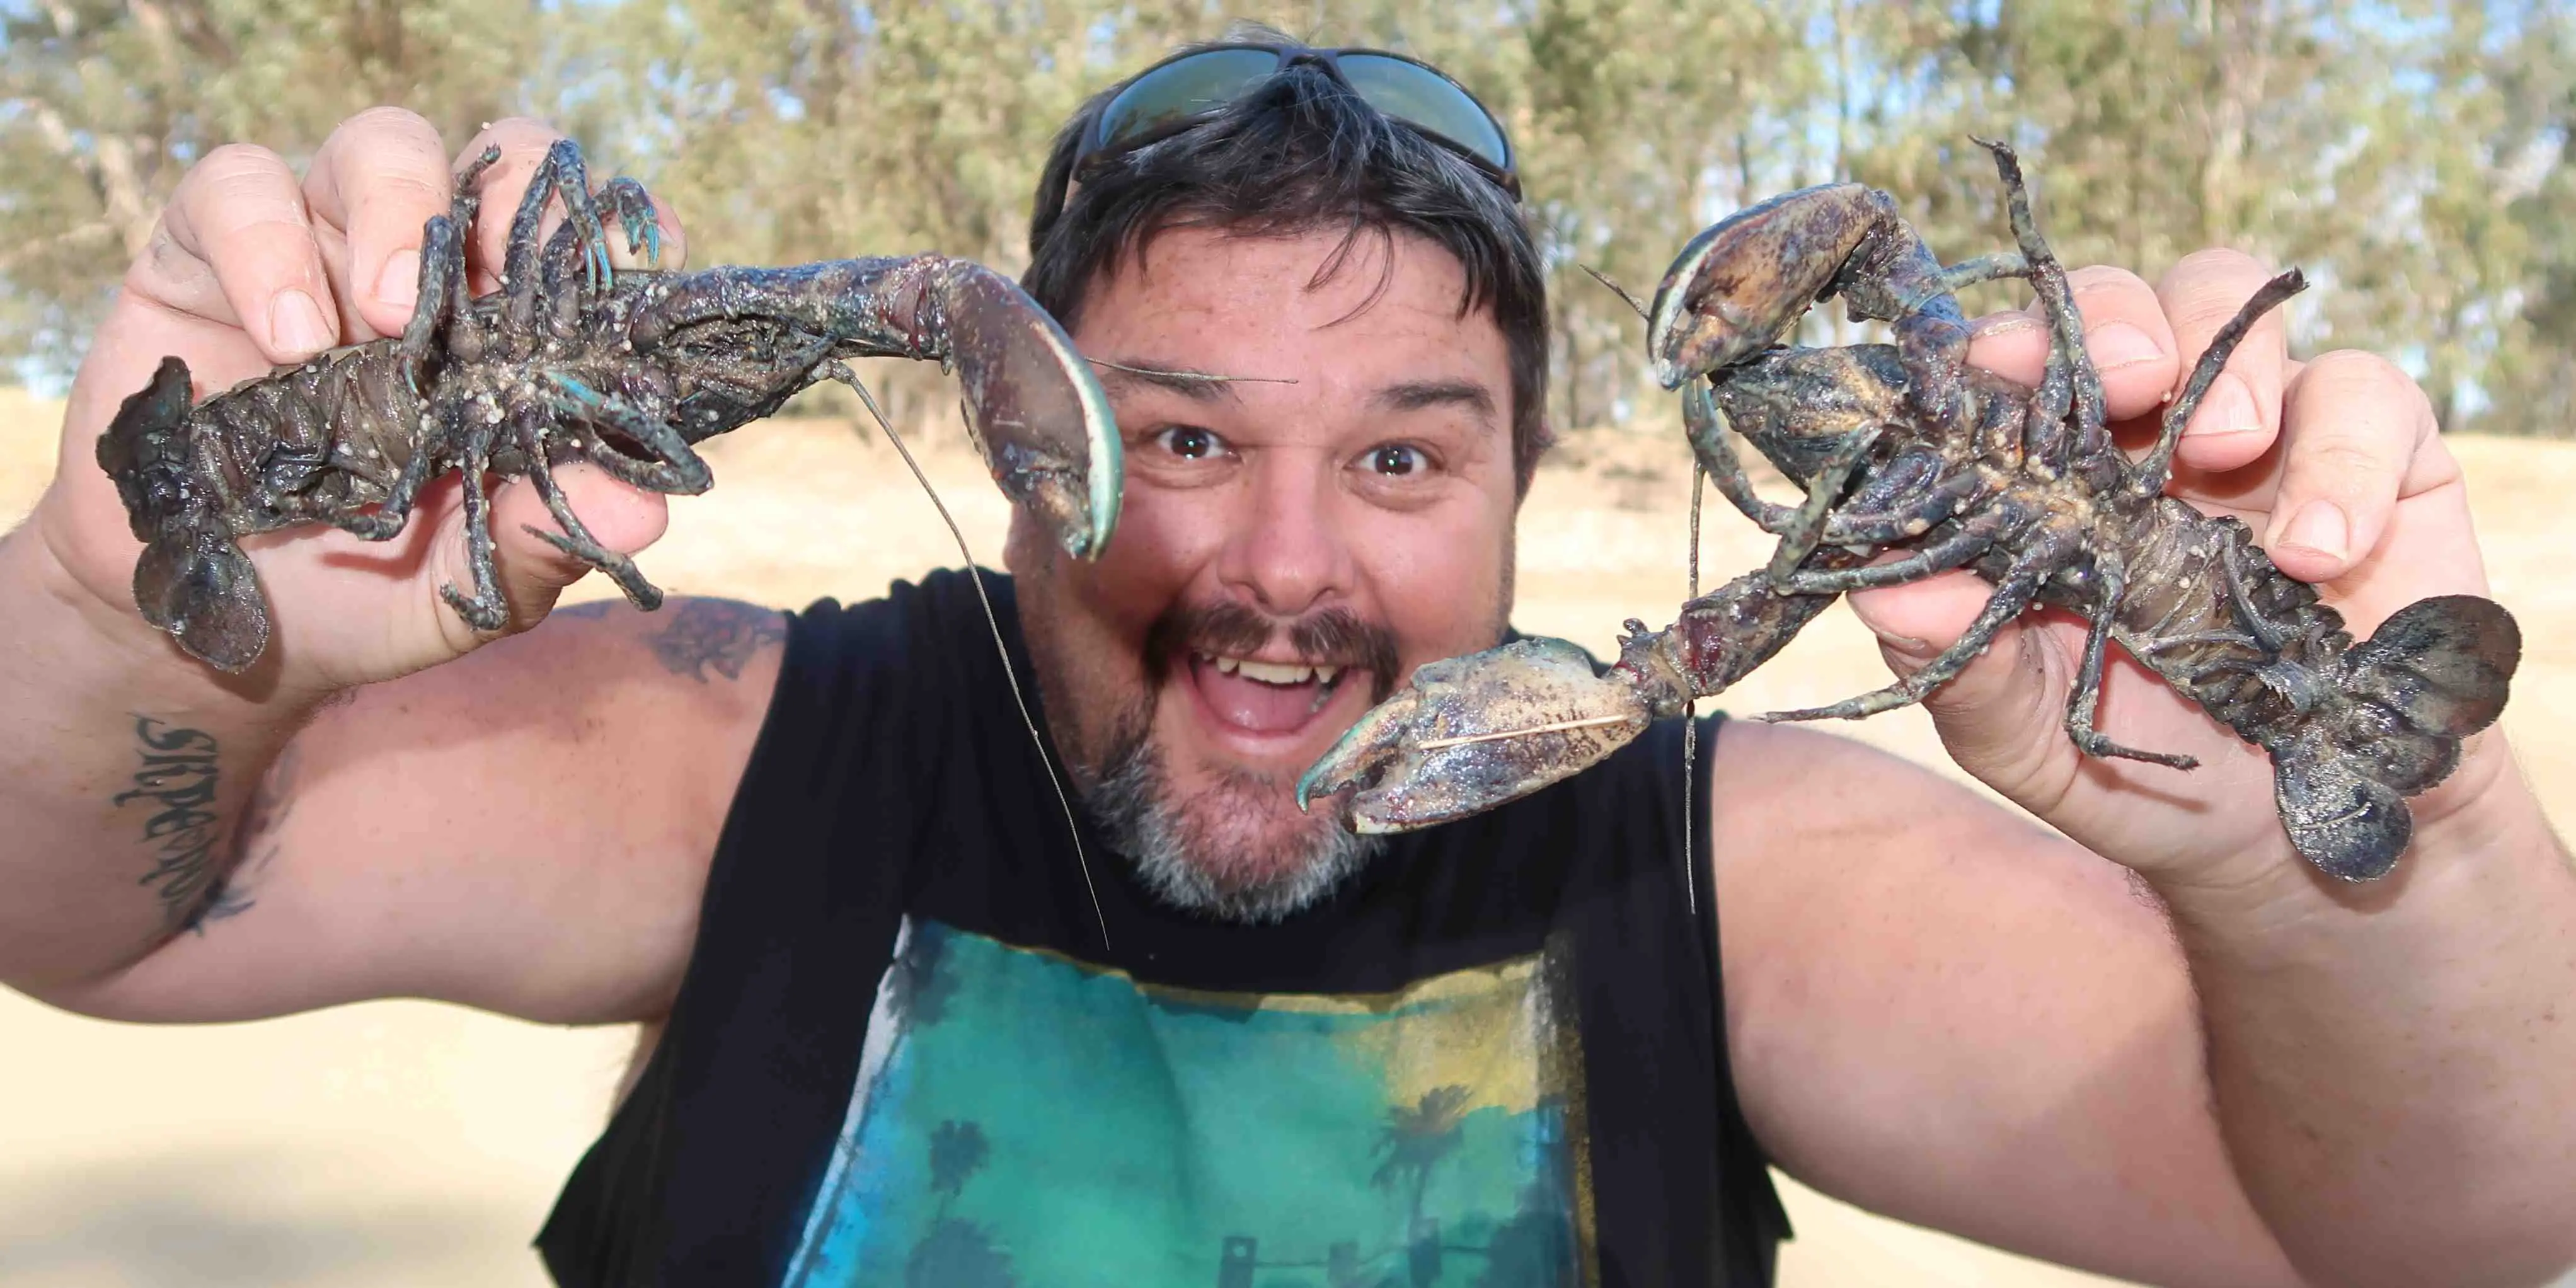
{"x":2433,"y":674}
{"x":192,"y":580}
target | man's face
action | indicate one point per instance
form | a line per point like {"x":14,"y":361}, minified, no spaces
{"x":1296,"y":537}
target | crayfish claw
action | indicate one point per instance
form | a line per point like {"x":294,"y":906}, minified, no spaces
{"x":1034,"y":408}
{"x":1470,"y":733}
{"x":637,"y":222}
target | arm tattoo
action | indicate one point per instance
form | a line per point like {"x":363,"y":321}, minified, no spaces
{"x":589,"y":610}
{"x":719,"y":633}
{"x":256,"y":847}
{"x":178,"y":779}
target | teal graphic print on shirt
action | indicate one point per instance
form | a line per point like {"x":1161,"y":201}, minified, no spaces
{"x":1021,"y":1118}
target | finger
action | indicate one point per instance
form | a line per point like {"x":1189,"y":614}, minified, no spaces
{"x":2012,"y":344}
{"x":1998,"y":721}
{"x":533,"y":573}
{"x":2357,"y":429}
{"x":376,"y":181}
{"x":241,"y":252}
{"x":2125,"y":334}
{"x":2240,"y":416}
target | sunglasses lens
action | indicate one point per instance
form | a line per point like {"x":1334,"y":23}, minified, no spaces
{"x":1182,"y":89}
{"x":1419,"y":96}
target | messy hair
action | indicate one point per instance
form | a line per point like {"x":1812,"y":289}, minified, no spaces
{"x":1300,"y":153}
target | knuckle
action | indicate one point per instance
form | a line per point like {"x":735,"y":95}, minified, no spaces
{"x":231,"y":164}
{"x":379,"y":125}
{"x":2096,"y":279}
{"x":2225,"y":263}
{"x":2365,"y":387}
{"x":516,"y":135}
{"x":405,"y":194}
{"x":2358,"y":369}
{"x":386,"y":118}
{"x":2345,"y":462}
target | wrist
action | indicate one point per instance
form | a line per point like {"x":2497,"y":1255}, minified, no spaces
{"x":2481,"y":828}
{"x":65,"y":634}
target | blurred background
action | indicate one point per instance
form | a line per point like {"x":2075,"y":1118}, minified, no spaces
{"x":2414,"y":158}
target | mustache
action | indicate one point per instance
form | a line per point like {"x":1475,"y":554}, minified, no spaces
{"x":1326,"y":637}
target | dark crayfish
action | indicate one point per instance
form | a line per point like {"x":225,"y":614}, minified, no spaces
{"x":1905,"y":448}
{"x":573,"y":360}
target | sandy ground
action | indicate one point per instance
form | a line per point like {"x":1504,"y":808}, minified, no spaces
{"x":405,"y":1143}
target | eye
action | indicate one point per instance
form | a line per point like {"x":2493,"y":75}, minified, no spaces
{"x":1190,"y":443}
{"x":1397,"y":460}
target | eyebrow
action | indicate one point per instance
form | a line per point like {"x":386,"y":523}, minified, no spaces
{"x":1414,"y":395}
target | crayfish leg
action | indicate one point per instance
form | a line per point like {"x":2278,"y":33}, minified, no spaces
{"x":2013,"y":595}
{"x":2070,"y":383}
{"x":2154,"y":469}
{"x":485,"y":610}
{"x":2084,"y":700}
{"x":562,"y":173}
{"x":1972,"y":538}
{"x":1807,"y":525}
{"x":637,"y":222}
{"x":575,"y":539}
{"x":442,"y":290}
{"x":1712,"y":443}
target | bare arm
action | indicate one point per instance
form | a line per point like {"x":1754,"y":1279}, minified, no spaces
{"x":525,"y":830}
{"x":1940,"y":1012}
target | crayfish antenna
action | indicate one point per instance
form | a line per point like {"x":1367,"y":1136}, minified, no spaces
{"x":840,"y":371}
{"x":1621,"y":291}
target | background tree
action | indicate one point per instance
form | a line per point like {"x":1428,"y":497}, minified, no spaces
{"x":2413,"y":156}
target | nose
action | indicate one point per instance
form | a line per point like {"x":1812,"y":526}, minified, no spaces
{"x":1285,"y":551}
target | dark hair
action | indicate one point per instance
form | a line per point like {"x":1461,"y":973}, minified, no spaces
{"x":1302,"y":152}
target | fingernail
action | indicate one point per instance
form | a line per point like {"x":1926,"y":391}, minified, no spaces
{"x":2321,"y":527}
{"x":398,"y":283}
{"x":295,"y":324}
{"x":2118,"y":344}
{"x":2228,"y":409}
{"x":1906,"y":646}
{"x":2003,"y":324}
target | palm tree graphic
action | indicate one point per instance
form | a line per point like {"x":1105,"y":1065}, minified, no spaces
{"x":1416,"y":1137}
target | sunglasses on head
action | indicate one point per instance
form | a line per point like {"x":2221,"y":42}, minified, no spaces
{"x":1185,"y":89}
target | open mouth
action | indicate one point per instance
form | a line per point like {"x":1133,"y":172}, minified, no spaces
{"x":1264,"y":698}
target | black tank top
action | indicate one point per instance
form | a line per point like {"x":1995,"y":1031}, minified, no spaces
{"x":902,"y":1054}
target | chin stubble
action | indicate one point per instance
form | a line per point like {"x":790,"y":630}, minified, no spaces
{"x":1215,"y":851}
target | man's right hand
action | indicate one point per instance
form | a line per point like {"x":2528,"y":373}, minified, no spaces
{"x":249,"y":270}
{"x":524,"y":829}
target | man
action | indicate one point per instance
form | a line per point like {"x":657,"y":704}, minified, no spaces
{"x":894,"y":1037}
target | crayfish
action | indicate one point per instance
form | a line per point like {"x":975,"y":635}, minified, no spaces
{"x":573,"y":359}
{"x":1904,"y":448}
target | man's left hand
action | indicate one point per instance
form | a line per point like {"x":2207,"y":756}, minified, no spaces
{"x":2338,"y":467}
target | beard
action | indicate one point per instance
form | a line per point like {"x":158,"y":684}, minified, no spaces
{"x":1214,"y":851}
{"x":1237,"y":848}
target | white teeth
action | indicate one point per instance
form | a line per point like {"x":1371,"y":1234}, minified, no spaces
{"x":1273,"y":673}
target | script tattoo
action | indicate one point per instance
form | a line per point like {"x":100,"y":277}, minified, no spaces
{"x":719,"y":633}
{"x":177,"y":780}
{"x":257,"y":846}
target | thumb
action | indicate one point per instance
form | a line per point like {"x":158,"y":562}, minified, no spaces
{"x":2000,"y":717}
{"x":533,"y":571}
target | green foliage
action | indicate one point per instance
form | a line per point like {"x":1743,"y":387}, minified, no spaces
{"x":2414,"y":157}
